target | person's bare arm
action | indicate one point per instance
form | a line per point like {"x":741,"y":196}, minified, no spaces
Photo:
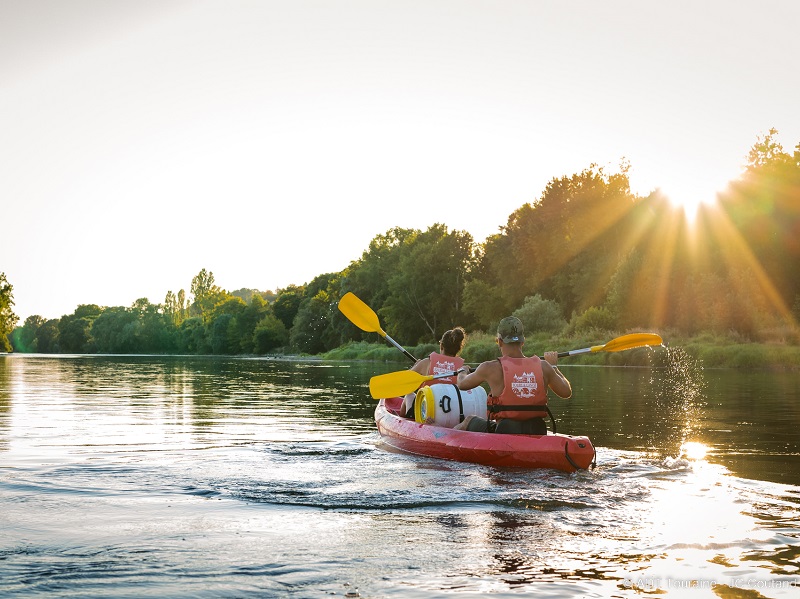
{"x":490,"y":373}
{"x":469,"y":380}
{"x":555,"y":379}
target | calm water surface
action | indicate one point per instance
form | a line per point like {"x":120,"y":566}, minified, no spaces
{"x":209,"y":477}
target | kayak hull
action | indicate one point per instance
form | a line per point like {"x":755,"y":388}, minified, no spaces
{"x":556,"y":451}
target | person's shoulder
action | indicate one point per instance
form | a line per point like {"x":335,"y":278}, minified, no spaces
{"x":421,"y":365}
{"x":489,"y":365}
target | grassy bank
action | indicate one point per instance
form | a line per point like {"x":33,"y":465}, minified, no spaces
{"x":711,"y":351}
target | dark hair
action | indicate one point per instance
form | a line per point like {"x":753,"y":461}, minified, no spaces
{"x":453,"y":341}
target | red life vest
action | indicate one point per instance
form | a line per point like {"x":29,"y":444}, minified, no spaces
{"x":524,"y":389}
{"x":441,"y":364}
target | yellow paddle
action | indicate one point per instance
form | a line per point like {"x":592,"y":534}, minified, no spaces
{"x":364,"y":317}
{"x":394,"y":384}
{"x":619,"y":344}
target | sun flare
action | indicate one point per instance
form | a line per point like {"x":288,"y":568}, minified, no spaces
{"x":690,"y":196}
{"x":690,"y":202}
{"x":694,"y":451}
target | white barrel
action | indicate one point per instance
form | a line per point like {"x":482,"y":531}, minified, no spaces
{"x":448,"y":405}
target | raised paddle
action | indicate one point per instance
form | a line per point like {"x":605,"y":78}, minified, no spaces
{"x":619,"y":344}
{"x":394,"y":384}
{"x":364,"y":317}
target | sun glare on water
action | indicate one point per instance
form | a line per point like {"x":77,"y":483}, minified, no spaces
{"x":694,"y":451}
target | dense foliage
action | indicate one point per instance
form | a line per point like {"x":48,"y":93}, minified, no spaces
{"x":588,"y":255}
{"x":7,"y":317}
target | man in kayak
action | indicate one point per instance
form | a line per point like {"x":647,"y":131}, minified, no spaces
{"x":517,"y":384}
{"x":447,"y":360}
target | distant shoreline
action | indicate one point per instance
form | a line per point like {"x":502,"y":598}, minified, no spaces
{"x":706,"y":352}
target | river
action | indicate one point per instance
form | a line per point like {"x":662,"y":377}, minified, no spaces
{"x":126,"y":476}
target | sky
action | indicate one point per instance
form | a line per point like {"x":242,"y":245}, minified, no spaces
{"x":271,"y":141}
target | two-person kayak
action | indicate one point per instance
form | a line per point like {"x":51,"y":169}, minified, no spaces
{"x":557,"y":451}
{"x":561,"y":452}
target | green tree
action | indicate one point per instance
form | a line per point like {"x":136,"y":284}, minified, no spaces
{"x":23,"y":338}
{"x":246,"y":295}
{"x":367,"y":277}
{"x":763,"y":208}
{"x":222,"y":335}
{"x":8,"y":320}
{"x":287,"y":304}
{"x":75,"y":329}
{"x":206,"y":294}
{"x":192,"y":337}
{"x":223,"y":329}
{"x":768,"y":152}
{"x":171,"y":308}
{"x":310,"y":324}
{"x":539,"y":315}
{"x":426,"y":288}
{"x":115,"y":331}
{"x":156,"y":331}
{"x":47,"y":337}
{"x":248,"y":320}
{"x":564,"y":246}
{"x":182,"y":306}
{"x":593,"y":319}
{"x":269,"y":334}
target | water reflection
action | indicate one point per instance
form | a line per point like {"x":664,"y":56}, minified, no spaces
{"x":264,"y":475}
{"x":746,"y":421}
{"x":693,"y":450}
{"x":5,"y":401}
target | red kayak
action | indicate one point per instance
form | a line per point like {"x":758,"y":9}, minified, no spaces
{"x":557,"y":451}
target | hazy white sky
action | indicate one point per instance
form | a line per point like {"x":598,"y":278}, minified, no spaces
{"x":270,"y":141}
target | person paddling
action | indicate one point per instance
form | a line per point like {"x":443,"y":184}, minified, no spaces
{"x":518,"y":385}
{"x":446,"y":360}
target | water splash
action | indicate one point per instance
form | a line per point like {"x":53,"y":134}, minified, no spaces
{"x":676,"y":396}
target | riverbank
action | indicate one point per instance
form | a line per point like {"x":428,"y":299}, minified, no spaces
{"x":710,"y":351}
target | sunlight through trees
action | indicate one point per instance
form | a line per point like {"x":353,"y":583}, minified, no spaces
{"x":588,"y":254}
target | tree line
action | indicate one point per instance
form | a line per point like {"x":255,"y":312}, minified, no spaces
{"x":587,"y":254}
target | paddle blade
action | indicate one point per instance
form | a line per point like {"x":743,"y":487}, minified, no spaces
{"x":360,"y":314}
{"x":631,"y":341}
{"x":394,"y":384}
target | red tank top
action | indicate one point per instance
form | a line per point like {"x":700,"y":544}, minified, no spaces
{"x":524,"y":389}
{"x":441,"y":364}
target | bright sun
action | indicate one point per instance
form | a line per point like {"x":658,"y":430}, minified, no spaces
{"x":688,"y":187}
{"x":690,"y":198}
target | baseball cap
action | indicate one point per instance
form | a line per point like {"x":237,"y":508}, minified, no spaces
{"x":510,"y":330}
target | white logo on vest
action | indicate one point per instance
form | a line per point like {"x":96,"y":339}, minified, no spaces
{"x":444,"y":367}
{"x":524,"y":385}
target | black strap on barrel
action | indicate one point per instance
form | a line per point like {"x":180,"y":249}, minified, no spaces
{"x":446,"y":408}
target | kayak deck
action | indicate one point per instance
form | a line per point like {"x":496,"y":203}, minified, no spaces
{"x":561,"y":452}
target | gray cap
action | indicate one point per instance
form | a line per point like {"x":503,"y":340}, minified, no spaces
{"x":510,"y":330}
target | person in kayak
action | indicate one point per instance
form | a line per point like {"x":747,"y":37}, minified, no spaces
{"x":446,"y":360}
{"x":517,"y":384}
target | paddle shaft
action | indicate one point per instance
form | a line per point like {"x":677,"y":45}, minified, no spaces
{"x":398,"y":346}
{"x":574,"y":352}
